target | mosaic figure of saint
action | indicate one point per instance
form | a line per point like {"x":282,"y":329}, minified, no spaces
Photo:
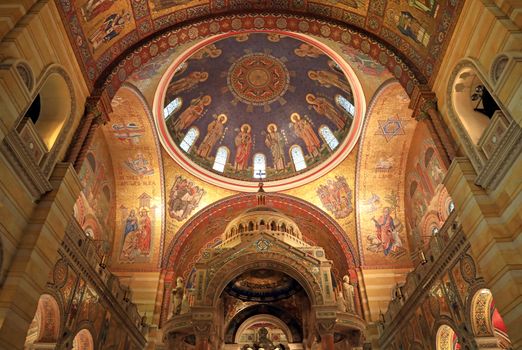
{"x":186,"y":83}
{"x":325,"y":108}
{"x":214,"y":133}
{"x":303,"y":129}
{"x":210,"y":51}
{"x":275,"y":141}
{"x":131,"y":223}
{"x":329,"y":79}
{"x":145,"y":235}
{"x":111,"y":27}
{"x":243,"y":142}
{"x":307,"y":50}
{"x":386,"y":232}
{"x":184,"y":198}
{"x":93,"y":8}
{"x":191,"y":114}
{"x":130,"y":237}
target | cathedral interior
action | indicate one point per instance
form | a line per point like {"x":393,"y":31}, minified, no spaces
{"x":260,"y":174}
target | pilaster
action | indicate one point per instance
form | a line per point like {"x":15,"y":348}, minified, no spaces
{"x":35,"y":257}
{"x":424,"y":105}
{"x":94,"y":116}
{"x":491,"y":222}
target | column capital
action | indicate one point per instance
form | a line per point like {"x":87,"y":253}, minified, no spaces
{"x":326,"y":326}
{"x":95,"y":111}
{"x":422,"y":100}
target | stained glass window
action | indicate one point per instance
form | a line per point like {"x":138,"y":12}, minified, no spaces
{"x":328,"y":137}
{"x":259,"y":166}
{"x":346,"y":105}
{"x":189,"y":139}
{"x":172,"y":107}
{"x":221,"y":159}
{"x":298,"y":157}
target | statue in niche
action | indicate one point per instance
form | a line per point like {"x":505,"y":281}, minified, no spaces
{"x":177,"y":296}
{"x":349,"y":294}
{"x":214,"y":132}
{"x":341,"y":303}
{"x":263,"y":342}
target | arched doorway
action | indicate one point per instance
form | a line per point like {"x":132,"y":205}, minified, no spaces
{"x":250,"y":329}
{"x":45,"y":327}
{"x":266,"y":280}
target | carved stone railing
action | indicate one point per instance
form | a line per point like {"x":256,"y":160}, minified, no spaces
{"x":443,"y":249}
{"x":497,"y":149}
{"x":82,"y":251}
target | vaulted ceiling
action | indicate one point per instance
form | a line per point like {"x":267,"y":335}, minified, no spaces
{"x":104,"y":32}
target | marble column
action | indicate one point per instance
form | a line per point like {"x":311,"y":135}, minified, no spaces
{"x":202,"y":330}
{"x":326,"y":331}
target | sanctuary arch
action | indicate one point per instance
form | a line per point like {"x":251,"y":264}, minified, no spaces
{"x":263,"y":269}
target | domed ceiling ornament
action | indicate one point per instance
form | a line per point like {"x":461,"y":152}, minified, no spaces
{"x":263,"y":285}
{"x":258,"y":79}
{"x":276,"y":106}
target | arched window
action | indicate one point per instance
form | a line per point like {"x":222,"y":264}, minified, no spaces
{"x":328,"y":137}
{"x":189,"y":139}
{"x":451,"y":207}
{"x":472,"y":102}
{"x":172,"y":107}
{"x":346,"y":105}
{"x":50,"y":109}
{"x":259,"y":166}
{"x":221,"y":159}
{"x":297,"y":157}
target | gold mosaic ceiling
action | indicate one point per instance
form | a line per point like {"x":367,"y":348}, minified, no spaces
{"x":105,"y":31}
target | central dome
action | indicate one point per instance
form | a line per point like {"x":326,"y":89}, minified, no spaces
{"x":259,"y":105}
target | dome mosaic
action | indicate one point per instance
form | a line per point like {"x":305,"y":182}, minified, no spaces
{"x":276,"y":107}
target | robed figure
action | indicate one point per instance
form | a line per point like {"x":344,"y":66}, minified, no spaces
{"x":385,"y":229}
{"x":109,"y":29}
{"x":304,"y":130}
{"x":243,"y":143}
{"x":186,"y":83}
{"x":214,"y":132}
{"x":177,"y":296}
{"x":145,"y":232}
{"x":191,"y":114}
{"x":275,"y":141}
{"x":348,"y":294}
{"x":329,"y":79}
{"x":130,"y":236}
{"x":325,"y":108}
